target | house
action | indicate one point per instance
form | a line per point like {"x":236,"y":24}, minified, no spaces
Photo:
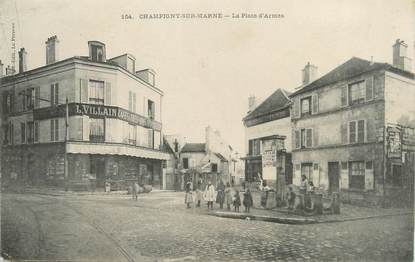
{"x":267,"y":130}
{"x":82,"y":118}
{"x":350,"y":129}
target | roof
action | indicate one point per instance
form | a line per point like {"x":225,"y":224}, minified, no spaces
{"x":194,"y":148}
{"x":278,"y":100}
{"x":221,"y":157}
{"x":351,"y":68}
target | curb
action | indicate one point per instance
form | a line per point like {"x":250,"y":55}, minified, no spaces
{"x":297,"y":221}
{"x":280,"y":220}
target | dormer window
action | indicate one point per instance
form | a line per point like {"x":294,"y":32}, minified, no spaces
{"x":96,"y":51}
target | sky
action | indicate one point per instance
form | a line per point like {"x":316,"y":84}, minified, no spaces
{"x":208,"y":68}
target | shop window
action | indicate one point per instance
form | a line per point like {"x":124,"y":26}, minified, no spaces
{"x":254,"y":147}
{"x":96,"y":129}
{"x":96,"y":92}
{"x":357,"y":93}
{"x":306,"y":106}
{"x":396,"y":175}
{"x":357,"y":175}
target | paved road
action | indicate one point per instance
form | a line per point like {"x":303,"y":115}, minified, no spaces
{"x":159,"y":227}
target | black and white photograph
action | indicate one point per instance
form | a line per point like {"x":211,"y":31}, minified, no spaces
{"x":190,"y":130}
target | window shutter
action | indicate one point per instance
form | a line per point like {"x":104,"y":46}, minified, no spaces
{"x":315,"y":104}
{"x":369,"y":88}
{"x":315,"y":137}
{"x":352,"y":132}
{"x":56,"y":93}
{"x":344,"y":176}
{"x":134,"y":102}
{"x":295,"y":108}
{"x":52,"y":94}
{"x":5,"y":96}
{"x":344,"y":95}
{"x":37,"y":97}
{"x":369,"y":177}
{"x":361,"y":131}
{"x":84,"y":90}
{"x":343,"y":133}
{"x":36,"y":132}
{"x":107,"y":93}
{"x":297,"y":139}
{"x":52,"y":130}
{"x":309,"y":137}
{"x":145,"y":110}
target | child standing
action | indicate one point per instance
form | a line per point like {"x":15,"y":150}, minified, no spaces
{"x":248,"y":202}
{"x":188,"y":199}
{"x":237,"y":201}
{"x":291,"y":198}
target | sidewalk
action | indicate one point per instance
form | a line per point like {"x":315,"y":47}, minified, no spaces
{"x":348,"y":213}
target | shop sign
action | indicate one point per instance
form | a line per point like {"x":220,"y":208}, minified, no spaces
{"x":269,"y":159}
{"x":96,"y":111}
{"x":394,"y":142}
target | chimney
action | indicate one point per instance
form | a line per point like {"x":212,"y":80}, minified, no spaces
{"x":1,"y":69}
{"x":22,"y":60}
{"x":251,"y":103}
{"x":400,"y":57}
{"x":309,"y":73}
{"x":96,"y":51}
{"x":52,"y":54}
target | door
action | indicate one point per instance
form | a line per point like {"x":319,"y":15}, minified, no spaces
{"x":97,"y":169}
{"x":333,"y":171}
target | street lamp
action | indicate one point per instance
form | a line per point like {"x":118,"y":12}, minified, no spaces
{"x":65,"y":155}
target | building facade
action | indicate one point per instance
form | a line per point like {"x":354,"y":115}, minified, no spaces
{"x":267,"y":128}
{"x":342,"y":126}
{"x":82,"y":118}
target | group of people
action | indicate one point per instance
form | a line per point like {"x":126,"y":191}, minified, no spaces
{"x":222,"y":195}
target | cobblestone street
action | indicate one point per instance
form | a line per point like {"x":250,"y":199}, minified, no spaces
{"x":158,"y":227}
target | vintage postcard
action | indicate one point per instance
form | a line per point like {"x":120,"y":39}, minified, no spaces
{"x":179,"y":130}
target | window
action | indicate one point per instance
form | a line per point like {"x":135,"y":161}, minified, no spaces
{"x":307,"y":171}
{"x":132,"y":134}
{"x":157,"y":139}
{"x":28,"y":96}
{"x":132,"y":101}
{"x":97,"y":53}
{"x":23,"y":132}
{"x":254,"y":147}
{"x":130,"y":65}
{"x":8,"y":102}
{"x":54,"y":94}
{"x":54,"y":130}
{"x":96,"y":129}
{"x":36,"y":132}
{"x":6,"y":134}
{"x":306,"y":106}
{"x":357,"y":93}
{"x":151,"y":110}
{"x":185,"y":163}
{"x":357,"y":131}
{"x":306,"y":138}
{"x":30,"y":132}
{"x":11,"y":133}
{"x":96,"y":92}
{"x":357,"y":175}
{"x":214,"y":167}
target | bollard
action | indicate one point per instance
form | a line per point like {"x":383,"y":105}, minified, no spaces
{"x":318,"y":203}
{"x":335,"y":203}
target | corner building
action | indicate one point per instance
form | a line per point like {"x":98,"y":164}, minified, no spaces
{"x":351,"y":133}
{"x":114,"y":125}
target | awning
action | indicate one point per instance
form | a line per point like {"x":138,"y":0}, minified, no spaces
{"x":114,"y":149}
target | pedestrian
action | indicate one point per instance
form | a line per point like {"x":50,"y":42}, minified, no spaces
{"x":291,"y":198}
{"x":134,"y":190}
{"x":188,"y":198}
{"x":198,"y":193}
{"x":228,"y":196}
{"x":248,"y":202}
{"x":237,"y":201}
{"x":304,"y":184}
{"x":209,"y":194}
{"x":220,"y":196}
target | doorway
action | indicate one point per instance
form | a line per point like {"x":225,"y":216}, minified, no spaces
{"x":333,"y":171}
{"x":97,"y":169}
